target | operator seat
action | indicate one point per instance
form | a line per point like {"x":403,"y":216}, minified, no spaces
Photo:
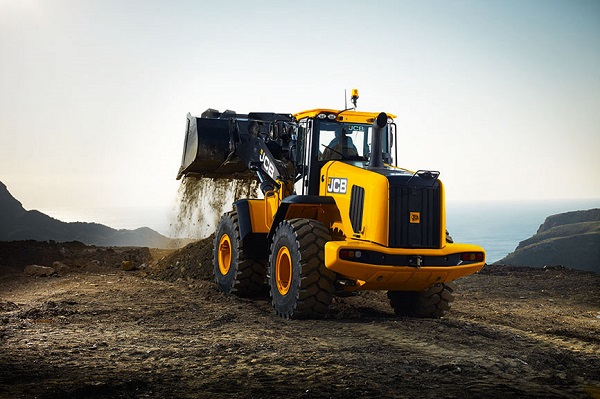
{"x":340,"y":147}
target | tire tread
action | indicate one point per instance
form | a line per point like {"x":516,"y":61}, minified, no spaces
{"x":433,"y":302}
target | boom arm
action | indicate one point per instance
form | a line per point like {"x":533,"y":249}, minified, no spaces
{"x":256,"y":154}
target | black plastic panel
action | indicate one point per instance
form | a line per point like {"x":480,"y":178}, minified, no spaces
{"x":357,"y":204}
{"x":421,"y":203}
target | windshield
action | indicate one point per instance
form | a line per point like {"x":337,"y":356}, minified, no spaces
{"x":346,"y":141}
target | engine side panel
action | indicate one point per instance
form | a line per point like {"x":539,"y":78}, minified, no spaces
{"x":362,"y":197}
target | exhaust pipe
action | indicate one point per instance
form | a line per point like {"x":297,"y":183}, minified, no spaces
{"x":379,"y":124}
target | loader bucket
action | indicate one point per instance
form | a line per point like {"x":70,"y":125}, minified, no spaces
{"x":209,"y":148}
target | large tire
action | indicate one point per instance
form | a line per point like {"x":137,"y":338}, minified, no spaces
{"x":301,"y":286}
{"x":234,"y":272}
{"x":434,"y":302}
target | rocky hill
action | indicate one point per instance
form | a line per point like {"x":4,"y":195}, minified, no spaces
{"x":16,"y":223}
{"x":569,"y":239}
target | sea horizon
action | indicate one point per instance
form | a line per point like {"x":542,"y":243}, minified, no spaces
{"x":498,"y":226}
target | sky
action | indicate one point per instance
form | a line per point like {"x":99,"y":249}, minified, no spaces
{"x":502,"y":97}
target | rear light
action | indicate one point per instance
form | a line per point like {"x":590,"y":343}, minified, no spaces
{"x":350,"y":254}
{"x":472,"y":257}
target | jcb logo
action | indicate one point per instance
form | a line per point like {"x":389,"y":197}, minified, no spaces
{"x":268,"y":165}
{"x":337,"y":185}
{"x":356,"y":128}
{"x":415,"y":217}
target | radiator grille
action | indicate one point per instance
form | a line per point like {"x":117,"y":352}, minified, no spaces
{"x":423,"y":203}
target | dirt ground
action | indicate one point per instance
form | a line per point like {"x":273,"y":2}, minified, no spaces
{"x":163,"y":331}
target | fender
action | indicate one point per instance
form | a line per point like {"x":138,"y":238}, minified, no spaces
{"x":253,"y":236}
{"x":303,"y":206}
{"x":244,"y":220}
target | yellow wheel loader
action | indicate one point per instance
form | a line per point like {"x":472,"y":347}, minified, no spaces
{"x":337,"y":215}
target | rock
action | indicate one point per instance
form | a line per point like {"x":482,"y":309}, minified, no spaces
{"x":39,"y":271}
{"x":60,"y":267}
{"x":127,"y":265}
{"x":554,"y":267}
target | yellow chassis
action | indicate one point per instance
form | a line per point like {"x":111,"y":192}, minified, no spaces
{"x":400,"y":277}
{"x":367,"y":276}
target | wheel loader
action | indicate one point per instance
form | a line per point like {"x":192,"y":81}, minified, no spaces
{"x":337,"y":214}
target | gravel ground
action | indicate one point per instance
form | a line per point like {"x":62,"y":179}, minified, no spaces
{"x":164,"y":331}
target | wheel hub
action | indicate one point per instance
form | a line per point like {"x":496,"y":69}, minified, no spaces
{"x":224,"y":254}
{"x":283,"y":270}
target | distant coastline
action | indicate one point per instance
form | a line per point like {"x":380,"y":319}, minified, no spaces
{"x":570,"y":239}
{"x":498,"y":226}
{"x":18,"y":224}
{"x":158,"y":218}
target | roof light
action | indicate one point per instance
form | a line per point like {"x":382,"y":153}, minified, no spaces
{"x":354,"y":97}
{"x":321,"y":116}
{"x":332,"y":116}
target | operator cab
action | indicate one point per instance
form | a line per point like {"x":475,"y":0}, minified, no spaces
{"x":348,"y":142}
{"x":332,"y":135}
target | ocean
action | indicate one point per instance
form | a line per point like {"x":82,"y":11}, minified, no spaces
{"x":497,"y":226}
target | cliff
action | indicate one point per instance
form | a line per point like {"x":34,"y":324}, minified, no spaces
{"x":569,"y":239}
{"x":16,"y":223}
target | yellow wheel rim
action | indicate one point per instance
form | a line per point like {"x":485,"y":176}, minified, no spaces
{"x":283,"y":270}
{"x":224,"y":255}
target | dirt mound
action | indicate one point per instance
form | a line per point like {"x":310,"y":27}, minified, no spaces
{"x":194,"y":261}
{"x":15,"y":255}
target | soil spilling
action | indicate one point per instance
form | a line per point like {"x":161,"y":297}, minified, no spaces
{"x":202,"y":200}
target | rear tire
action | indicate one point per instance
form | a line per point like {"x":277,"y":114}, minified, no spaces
{"x":434,"y":302}
{"x":301,"y":286}
{"x":234,"y":272}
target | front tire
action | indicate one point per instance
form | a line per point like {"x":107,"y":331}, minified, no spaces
{"x":301,"y":286}
{"x":235,"y":272}
{"x":434,"y":302}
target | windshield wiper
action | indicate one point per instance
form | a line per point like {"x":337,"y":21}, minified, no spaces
{"x":344,"y":157}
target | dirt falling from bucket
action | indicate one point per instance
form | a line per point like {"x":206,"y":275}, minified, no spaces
{"x":202,"y":201}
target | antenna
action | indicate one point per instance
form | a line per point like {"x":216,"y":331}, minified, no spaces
{"x":345,"y":99}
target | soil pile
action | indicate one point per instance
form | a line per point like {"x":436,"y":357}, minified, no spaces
{"x":15,"y":255}
{"x":194,"y":261}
